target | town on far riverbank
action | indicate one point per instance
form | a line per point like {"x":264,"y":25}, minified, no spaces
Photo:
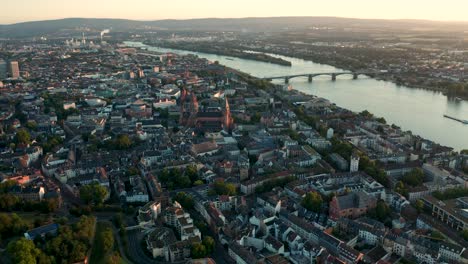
{"x":434,"y":62}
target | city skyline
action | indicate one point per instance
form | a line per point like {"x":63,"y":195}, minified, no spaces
{"x":183,"y":9}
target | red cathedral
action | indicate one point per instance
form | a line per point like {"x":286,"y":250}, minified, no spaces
{"x":212,"y":120}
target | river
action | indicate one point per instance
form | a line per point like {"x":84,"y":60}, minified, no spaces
{"x":418,"y":110}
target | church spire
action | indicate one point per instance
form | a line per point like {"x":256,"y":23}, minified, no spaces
{"x":227,"y":116}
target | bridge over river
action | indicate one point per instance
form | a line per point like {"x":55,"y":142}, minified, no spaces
{"x":333,"y":75}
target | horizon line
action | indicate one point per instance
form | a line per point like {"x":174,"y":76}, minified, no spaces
{"x":247,"y":17}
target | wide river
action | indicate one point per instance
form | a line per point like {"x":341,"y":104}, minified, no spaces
{"x":418,"y":110}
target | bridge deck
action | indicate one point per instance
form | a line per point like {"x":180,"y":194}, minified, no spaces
{"x":323,"y":73}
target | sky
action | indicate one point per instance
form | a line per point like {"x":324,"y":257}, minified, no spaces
{"x":14,"y":11}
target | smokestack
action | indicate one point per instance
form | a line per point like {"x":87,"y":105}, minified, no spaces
{"x":105,"y":31}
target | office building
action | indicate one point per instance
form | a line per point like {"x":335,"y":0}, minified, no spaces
{"x":14,"y":70}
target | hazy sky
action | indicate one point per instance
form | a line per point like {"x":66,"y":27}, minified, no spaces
{"x":27,"y":10}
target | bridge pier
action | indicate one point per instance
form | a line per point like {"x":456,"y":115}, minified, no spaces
{"x":286,"y":80}
{"x":355,"y":76}
{"x":334,"y":77}
{"x":310,"y":78}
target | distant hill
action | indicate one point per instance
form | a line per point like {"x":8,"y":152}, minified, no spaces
{"x":269,"y":24}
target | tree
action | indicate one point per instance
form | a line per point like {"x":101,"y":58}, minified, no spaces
{"x":451,"y":193}
{"x":381,"y":120}
{"x":32,"y":125}
{"x":198,"y":251}
{"x":435,"y":235}
{"x":222,"y":188}
{"x":23,"y":251}
{"x":6,"y":186}
{"x":192,"y":172}
{"x":11,"y":224}
{"x":312,"y":201}
{"x":8,"y":201}
{"x":164,"y":176}
{"x":185,"y":200}
{"x":209,"y":244}
{"x":269,"y":185}
{"x":113,"y":259}
{"x":366,"y":114}
{"x":107,"y":239}
{"x":84,"y":228}
{"x":22,"y":137}
{"x":93,"y":193}
{"x":413,"y":178}
{"x":49,"y":205}
{"x":182,"y":181}
{"x":401,"y":189}
{"x":198,"y":183}
{"x":464,"y":234}
{"x":132,"y":171}
{"x":382,"y":210}
{"x":419,"y":205}
{"x":123,"y":142}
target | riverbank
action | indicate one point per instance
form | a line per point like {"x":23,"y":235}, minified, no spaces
{"x":452,"y":90}
{"x":222,"y":52}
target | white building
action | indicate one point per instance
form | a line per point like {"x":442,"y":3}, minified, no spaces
{"x":354,"y":165}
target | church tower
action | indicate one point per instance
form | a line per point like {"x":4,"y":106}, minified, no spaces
{"x":188,"y":108}
{"x":228,"y":121}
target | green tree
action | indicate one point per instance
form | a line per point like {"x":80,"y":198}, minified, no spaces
{"x":198,"y":251}
{"x":22,"y":137}
{"x":23,"y":251}
{"x":123,"y":142}
{"x":113,"y":259}
{"x":192,"y":172}
{"x":209,"y":244}
{"x":435,"y":235}
{"x":419,"y":205}
{"x":414,"y":178}
{"x":451,"y":193}
{"x":198,"y":183}
{"x":185,"y":200}
{"x":6,"y":186}
{"x":32,"y":125}
{"x":382,"y":210}
{"x":381,"y":120}
{"x":401,"y":189}
{"x":84,"y":228}
{"x":366,"y":114}
{"x":8,"y":201}
{"x":93,"y":193}
{"x":464,"y":234}
{"x":107,"y":239}
{"x":182,"y":181}
{"x":312,"y":201}
{"x":222,"y":188}
{"x":164,"y":176}
{"x":11,"y":224}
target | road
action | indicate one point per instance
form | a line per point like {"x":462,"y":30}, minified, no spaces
{"x":121,"y":248}
{"x":134,"y":248}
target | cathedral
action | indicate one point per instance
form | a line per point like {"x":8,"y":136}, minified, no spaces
{"x":207,"y":120}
